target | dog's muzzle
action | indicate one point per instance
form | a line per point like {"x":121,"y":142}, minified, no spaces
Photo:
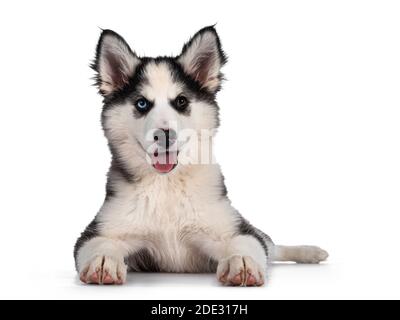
{"x":165,"y":157}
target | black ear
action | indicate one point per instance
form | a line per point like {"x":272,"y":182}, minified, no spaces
{"x":202,"y":58}
{"x":115,"y":62}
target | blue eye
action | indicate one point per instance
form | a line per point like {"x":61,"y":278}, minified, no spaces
{"x":142,"y":104}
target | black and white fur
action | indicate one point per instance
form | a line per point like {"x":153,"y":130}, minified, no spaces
{"x":181,"y":221}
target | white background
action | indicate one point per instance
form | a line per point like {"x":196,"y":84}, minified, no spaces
{"x":309,"y":141}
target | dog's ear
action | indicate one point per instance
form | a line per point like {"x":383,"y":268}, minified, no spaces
{"x":115,"y":62}
{"x":202,"y":58}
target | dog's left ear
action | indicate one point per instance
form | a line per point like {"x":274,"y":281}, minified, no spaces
{"x":202,"y":58}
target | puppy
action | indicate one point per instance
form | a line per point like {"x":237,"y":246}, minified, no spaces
{"x":166,"y":207}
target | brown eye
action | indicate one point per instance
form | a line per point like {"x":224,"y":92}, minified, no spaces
{"x":181,"y":102}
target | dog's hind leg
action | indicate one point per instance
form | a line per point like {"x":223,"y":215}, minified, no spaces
{"x":299,"y":254}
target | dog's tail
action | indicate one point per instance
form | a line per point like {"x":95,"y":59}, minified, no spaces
{"x":299,"y":254}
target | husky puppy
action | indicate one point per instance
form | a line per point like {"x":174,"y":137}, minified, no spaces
{"x":165,"y":210}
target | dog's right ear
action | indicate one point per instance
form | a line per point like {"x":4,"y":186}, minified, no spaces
{"x":115,"y":62}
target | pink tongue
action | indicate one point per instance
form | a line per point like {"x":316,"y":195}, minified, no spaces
{"x":164,"y":162}
{"x":163,"y":168}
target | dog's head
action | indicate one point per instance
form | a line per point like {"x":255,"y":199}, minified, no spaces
{"x":157,"y":110}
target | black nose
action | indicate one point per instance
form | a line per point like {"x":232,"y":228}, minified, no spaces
{"x":165,"y":137}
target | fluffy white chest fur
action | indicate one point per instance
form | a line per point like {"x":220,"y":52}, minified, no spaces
{"x":170,"y":214}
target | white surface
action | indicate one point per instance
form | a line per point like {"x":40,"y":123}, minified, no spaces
{"x":313,"y":95}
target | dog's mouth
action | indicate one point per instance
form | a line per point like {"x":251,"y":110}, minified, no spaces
{"x":164,"y":162}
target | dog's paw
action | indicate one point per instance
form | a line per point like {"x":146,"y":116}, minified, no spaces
{"x":240,"y":271}
{"x":104,"y":270}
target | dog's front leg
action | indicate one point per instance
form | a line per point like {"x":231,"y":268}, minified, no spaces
{"x":100,"y":260}
{"x":242,"y":260}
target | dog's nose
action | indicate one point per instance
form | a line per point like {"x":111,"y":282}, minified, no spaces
{"x":165,"y":137}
